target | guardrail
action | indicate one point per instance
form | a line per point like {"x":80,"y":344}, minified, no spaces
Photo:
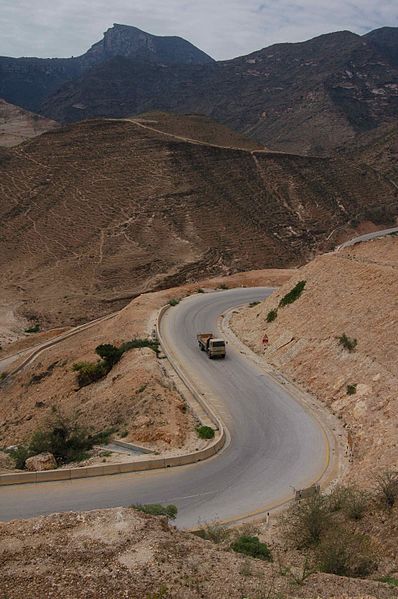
{"x":138,"y":465}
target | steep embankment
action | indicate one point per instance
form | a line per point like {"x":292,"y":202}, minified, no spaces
{"x":100,"y":211}
{"x":352,"y":292}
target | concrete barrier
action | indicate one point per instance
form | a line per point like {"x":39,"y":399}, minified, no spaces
{"x":139,"y":465}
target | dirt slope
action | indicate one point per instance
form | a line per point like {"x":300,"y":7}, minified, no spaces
{"x":98,"y":212}
{"x":355,"y":292}
{"x":18,"y":125}
{"x":121,"y":553}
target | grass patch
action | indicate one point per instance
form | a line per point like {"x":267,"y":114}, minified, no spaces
{"x":157,"y":509}
{"x":205,"y":432}
{"x":253,"y":547}
{"x":347,"y":342}
{"x":293,"y":295}
{"x":223,"y":286}
{"x":351,"y":389}
{"x":3,"y":376}
{"x":272,"y":315}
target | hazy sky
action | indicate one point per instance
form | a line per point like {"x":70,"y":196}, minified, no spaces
{"x":223,"y":28}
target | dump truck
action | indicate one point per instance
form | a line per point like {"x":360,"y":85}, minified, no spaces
{"x":214,"y":347}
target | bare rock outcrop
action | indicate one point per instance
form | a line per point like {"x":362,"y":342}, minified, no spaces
{"x":41,"y":462}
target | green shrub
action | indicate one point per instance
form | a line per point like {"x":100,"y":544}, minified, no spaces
{"x":200,"y":290}
{"x":67,"y":441}
{"x":351,"y":389}
{"x":89,"y":372}
{"x":33,"y":329}
{"x":346,"y":553}
{"x":156,"y":509}
{"x":293,"y":295}
{"x":347,"y":342}
{"x":272,"y":315}
{"x":223,"y":286}
{"x":205,"y":432}
{"x":253,"y":304}
{"x":174,"y":301}
{"x":20,"y":455}
{"x":253,"y":547}
{"x":3,"y":376}
{"x":109,"y":353}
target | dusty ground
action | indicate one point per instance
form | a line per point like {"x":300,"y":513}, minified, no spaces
{"x":95,"y":213}
{"x":18,"y":125}
{"x":121,"y":553}
{"x":355,"y":292}
{"x":137,"y":398}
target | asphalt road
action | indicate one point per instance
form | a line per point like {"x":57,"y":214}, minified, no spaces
{"x":368,"y":237}
{"x":275,"y":443}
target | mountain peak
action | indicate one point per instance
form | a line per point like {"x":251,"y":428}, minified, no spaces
{"x":131,"y":42}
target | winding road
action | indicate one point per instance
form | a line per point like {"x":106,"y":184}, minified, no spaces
{"x":274,"y":442}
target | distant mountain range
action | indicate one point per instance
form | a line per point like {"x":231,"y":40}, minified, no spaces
{"x":309,"y":97}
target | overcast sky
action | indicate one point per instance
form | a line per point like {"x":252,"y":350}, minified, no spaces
{"x":222,"y":28}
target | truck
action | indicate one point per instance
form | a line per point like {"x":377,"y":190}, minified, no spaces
{"x":214,"y":347}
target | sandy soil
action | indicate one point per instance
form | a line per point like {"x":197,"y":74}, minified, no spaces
{"x":355,"y":292}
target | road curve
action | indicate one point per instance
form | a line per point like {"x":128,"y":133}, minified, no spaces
{"x":275,"y":444}
{"x":368,"y":237}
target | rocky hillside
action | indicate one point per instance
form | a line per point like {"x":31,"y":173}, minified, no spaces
{"x":308,"y":97}
{"x":100,"y":211}
{"x":353,"y":293}
{"x":130,"y":42}
{"x":18,"y":125}
{"x":123,"y":553}
{"x":377,"y":149}
{"x":28,"y":81}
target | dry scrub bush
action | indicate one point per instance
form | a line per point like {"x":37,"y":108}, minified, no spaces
{"x":346,"y":553}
